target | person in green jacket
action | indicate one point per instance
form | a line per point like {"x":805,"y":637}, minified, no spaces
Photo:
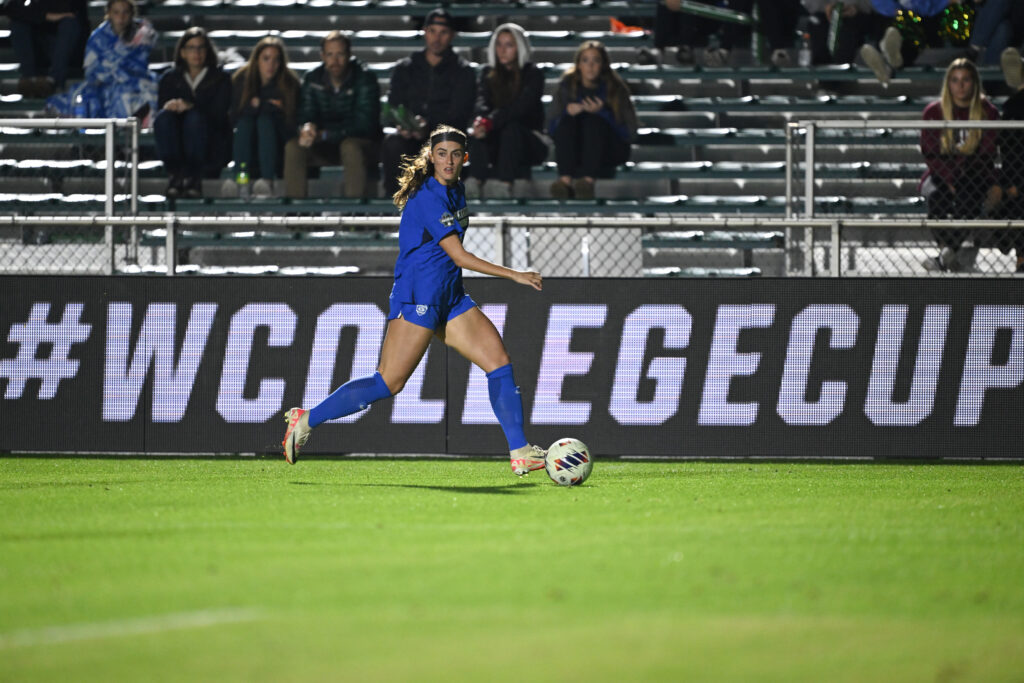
{"x":338,"y":120}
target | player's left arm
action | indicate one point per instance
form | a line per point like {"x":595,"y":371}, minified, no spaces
{"x":464,"y":259}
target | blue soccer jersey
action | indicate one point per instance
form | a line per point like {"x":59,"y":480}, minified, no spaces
{"x":424,"y":273}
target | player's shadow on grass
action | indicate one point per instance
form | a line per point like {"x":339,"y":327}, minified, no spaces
{"x":503,"y":490}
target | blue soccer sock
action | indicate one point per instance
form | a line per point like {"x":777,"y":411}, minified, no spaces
{"x":351,"y":396}
{"x":507,"y":405}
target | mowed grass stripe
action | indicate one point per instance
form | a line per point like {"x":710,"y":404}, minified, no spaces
{"x":453,"y":569}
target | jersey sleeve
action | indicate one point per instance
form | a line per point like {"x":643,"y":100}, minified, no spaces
{"x":438,"y":220}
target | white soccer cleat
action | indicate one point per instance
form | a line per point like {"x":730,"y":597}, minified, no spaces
{"x":297,"y":434}
{"x":527,"y":459}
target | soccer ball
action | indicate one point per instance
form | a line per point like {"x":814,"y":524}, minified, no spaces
{"x":569,"y":462}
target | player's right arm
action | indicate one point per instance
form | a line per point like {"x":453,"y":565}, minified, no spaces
{"x":464,"y":259}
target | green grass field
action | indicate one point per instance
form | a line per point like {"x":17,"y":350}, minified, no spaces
{"x":439,"y":570}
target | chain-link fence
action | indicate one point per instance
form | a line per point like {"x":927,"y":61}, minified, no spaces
{"x":849,"y":201}
{"x":937,"y":176}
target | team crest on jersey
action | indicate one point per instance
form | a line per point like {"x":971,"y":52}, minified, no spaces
{"x":447,"y":219}
{"x":421,"y":310}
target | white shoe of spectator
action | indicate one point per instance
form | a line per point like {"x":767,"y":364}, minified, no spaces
{"x":716,"y":56}
{"x":262,"y":189}
{"x":780,"y":58}
{"x":229,"y":189}
{"x":876,"y":62}
{"x":1013,"y":67}
{"x":892,"y":46}
{"x":472,"y":188}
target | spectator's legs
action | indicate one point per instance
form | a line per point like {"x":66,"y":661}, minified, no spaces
{"x":511,"y":158}
{"x":479,"y":158}
{"x":245,"y":134}
{"x":567,"y":146}
{"x":296,"y":159}
{"x":601,"y":148}
{"x":942,"y":204}
{"x":194,"y":137}
{"x":167,"y":135}
{"x":23,"y":41}
{"x":355,"y":152}
{"x":65,"y":41}
{"x":269,"y":138}
{"x":391,"y":152}
{"x":991,"y":31}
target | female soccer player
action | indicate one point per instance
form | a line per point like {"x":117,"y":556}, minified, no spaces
{"x":428,"y":299}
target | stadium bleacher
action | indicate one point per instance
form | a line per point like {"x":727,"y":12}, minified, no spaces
{"x":711,"y":141}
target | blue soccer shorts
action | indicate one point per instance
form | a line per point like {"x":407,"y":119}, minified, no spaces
{"x":430,"y":316}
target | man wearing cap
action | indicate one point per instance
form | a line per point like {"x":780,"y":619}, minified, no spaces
{"x":434,"y":86}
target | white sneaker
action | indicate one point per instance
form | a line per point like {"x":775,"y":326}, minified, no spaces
{"x":876,"y":62}
{"x":527,"y":459}
{"x":1013,"y":67}
{"x":780,"y":58}
{"x":262,"y":189}
{"x":297,"y":434}
{"x":472,"y":188}
{"x":229,"y":189}
{"x":892,"y":45}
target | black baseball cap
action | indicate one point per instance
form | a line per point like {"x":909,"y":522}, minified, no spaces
{"x":441,"y":16}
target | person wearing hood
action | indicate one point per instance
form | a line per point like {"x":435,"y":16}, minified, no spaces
{"x":592,"y":121}
{"x":433,"y":86}
{"x":339,"y":120}
{"x":506,"y":136}
{"x":118,"y":82}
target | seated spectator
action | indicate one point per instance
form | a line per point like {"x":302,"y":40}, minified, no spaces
{"x":118,"y":82}
{"x":192,"y":129}
{"x":264,"y":95}
{"x":994,"y":29}
{"x":1010,"y":60}
{"x":506,"y":139}
{"x":592,"y":122}
{"x":339,"y":119}
{"x":48,"y":39}
{"x":1011,"y":143}
{"x":676,"y":26}
{"x":960,"y":179}
{"x":433,"y":86}
{"x":835,"y":36}
{"x":893,"y":52}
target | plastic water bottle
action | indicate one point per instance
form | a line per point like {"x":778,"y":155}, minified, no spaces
{"x":803,"y":57}
{"x":79,"y":110}
{"x":242,"y":180}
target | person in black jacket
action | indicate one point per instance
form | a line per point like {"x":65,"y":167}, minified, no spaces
{"x":48,"y":38}
{"x":265,"y":94}
{"x":434,"y":86}
{"x":1011,"y":148}
{"x":506,"y":139}
{"x":339,"y":120}
{"x":192,"y":128}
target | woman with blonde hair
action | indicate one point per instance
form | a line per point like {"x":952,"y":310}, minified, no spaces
{"x":428,"y":300}
{"x":592,"y":122}
{"x":506,"y":136}
{"x":960,"y":180}
{"x":265,"y":93}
